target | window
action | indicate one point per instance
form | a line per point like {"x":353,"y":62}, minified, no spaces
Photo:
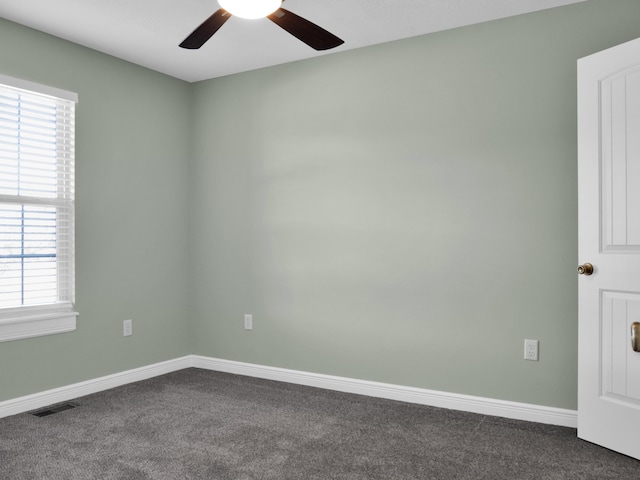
{"x":36,"y":209}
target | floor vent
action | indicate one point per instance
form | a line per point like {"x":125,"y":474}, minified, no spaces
{"x":55,"y":409}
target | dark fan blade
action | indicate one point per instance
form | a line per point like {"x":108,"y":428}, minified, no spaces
{"x":205,"y":31}
{"x":310,"y":33}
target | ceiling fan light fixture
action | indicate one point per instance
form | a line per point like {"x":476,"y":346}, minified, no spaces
{"x":250,"y":8}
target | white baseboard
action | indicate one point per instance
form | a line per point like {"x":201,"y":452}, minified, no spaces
{"x":69,"y":392}
{"x":453,"y":401}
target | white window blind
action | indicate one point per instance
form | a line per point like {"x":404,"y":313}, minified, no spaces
{"x":37,"y":182}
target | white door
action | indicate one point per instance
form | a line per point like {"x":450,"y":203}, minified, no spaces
{"x":609,"y":239}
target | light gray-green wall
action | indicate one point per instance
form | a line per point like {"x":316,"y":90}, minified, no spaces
{"x":132,"y":153}
{"x":405,"y":213}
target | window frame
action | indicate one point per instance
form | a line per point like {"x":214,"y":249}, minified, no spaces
{"x":59,"y":317}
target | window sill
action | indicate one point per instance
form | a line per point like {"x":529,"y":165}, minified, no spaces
{"x":35,"y":323}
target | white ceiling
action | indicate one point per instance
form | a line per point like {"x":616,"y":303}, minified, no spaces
{"x":147,"y":32}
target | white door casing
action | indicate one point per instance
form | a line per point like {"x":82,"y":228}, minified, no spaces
{"x":609,"y":238}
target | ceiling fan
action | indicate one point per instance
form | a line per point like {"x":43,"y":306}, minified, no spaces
{"x":310,"y":33}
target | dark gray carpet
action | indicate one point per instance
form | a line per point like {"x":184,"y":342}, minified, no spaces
{"x":198,"y":424}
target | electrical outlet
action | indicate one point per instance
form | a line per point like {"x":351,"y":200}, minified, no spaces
{"x":531,"y":350}
{"x":127,"y":328}
{"x":248,"y":321}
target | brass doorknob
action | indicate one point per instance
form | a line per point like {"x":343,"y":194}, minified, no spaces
{"x":635,"y":336}
{"x":586,"y":269}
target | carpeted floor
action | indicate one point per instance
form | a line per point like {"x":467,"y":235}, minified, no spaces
{"x":198,"y":424}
